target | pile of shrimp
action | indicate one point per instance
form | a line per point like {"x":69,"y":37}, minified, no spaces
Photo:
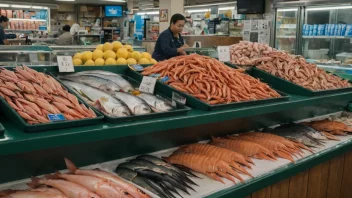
{"x":246,"y":52}
{"x":210,"y":80}
{"x":298,"y":71}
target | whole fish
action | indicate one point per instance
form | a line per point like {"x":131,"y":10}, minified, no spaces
{"x":94,"y":81}
{"x":300,"y":133}
{"x":32,"y":194}
{"x":116,"y":78}
{"x":156,"y":103}
{"x":101,"y":100}
{"x":136,"y":105}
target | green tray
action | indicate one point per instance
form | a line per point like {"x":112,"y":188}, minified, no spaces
{"x":135,"y":80}
{"x":11,"y":114}
{"x":289,"y":87}
{"x":198,"y":104}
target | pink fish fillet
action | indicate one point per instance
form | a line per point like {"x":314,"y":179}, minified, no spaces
{"x":130,"y":188}
{"x":31,"y":194}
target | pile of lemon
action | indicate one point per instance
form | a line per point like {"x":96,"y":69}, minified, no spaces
{"x":112,"y":54}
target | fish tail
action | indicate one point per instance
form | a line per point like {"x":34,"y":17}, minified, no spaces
{"x":34,"y":183}
{"x":70,"y":165}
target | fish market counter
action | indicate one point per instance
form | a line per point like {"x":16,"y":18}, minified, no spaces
{"x":211,"y":40}
{"x":26,"y":154}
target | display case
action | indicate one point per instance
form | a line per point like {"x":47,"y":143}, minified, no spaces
{"x":27,"y":55}
{"x":152,"y":30}
{"x":286,"y":29}
{"x":212,"y":52}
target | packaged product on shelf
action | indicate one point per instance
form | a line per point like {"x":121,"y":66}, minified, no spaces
{"x":32,"y":14}
{"x":3,"y":12}
{"x":20,"y":14}
{"x":37,"y":15}
{"x":332,"y":29}
{"x":348,"y":30}
{"x":310,"y":30}
{"x":343,"y":30}
{"x":9,"y":13}
{"x":36,"y":26}
{"x":315,"y":29}
{"x":26,"y":15}
{"x":12,"y":25}
{"x":336,"y":30}
{"x":21,"y":25}
{"x":321,"y":30}
{"x":327,"y":29}
{"x":25,"y":25}
{"x":304,"y":29}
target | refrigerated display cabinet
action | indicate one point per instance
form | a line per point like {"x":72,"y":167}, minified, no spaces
{"x":308,"y":28}
{"x":212,"y":52}
{"x":27,"y":55}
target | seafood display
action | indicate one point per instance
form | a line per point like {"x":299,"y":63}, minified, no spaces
{"x":246,"y":52}
{"x":298,"y":71}
{"x":210,"y":81}
{"x":34,"y":95}
{"x":113,"y":95}
{"x":332,"y":127}
{"x":156,"y":176}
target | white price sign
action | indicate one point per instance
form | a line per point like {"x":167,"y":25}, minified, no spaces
{"x":65,"y":64}
{"x":147,"y":85}
{"x":178,"y":98}
{"x":224,"y":53}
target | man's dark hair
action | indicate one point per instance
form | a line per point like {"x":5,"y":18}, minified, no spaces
{"x":3,"y":19}
{"x":66,"y":28}
{"x":177,"y":17}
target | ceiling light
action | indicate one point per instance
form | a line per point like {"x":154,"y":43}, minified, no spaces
{"x":141,"y":13}
{"x":329,"y":8}
{"x":65,"y":0}
{"x":20,"y":6}
{"x":201,"y":10}
{"x":39,"y":7}
{"x":287,"y":10}
{"x":227,"y":8}
{"x":119,"y":1}
{"x":150,"y":13}
{"x":4,"y":5}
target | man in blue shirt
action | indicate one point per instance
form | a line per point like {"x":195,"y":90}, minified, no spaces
{"x":170,"y":42}
{"x":4,"y":23}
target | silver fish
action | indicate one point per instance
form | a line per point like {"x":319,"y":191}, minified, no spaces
{"x":116,"y":78}
{"x":99,"y":99}
{"x":94,"y":81}
{"x":136,"y":105}
{"x":156,"y":103}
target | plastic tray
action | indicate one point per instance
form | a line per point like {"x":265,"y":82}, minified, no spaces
{"x":11,"y":114}
{"x":289,"y":87}
{"x":128,"y":75}
{"x":198,"y":104}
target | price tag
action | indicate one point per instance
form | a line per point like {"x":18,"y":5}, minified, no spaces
{"x":147,"y":84}
{"x":33,"y":58}
{"x":56,"y":117}
{"x":224,"y":53}
{"x":65,"y":64}
{"x":178,"y":98}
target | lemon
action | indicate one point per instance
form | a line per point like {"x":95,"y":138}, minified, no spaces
{"x":121,"y":61}
{"x":128,"y":47}
{"x":146,"y":55}
{"x":129,"y":55}
{"x":77,"y":56}
{"x":131,"y":61}
{"x":87,"y":56}
{"x":116,"y":45}
{"x":153,"y":61}
{"x":136,"y":56}
{"x":109,"y":54}
{"x":98,"y":54}
{"x":77,"y":62}
{"x":99,"y":62}
{"x":143,"y":61}
{"x":110,"y":61}
{"x":89,"y":62}
{"x":100,"y":47}
{"x":107,"y":46}
{"x":122,"y":53}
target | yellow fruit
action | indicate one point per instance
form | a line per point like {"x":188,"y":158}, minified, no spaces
{"x":143,"y":61}
{"x":129,"y":55}
{"x":99,"y":62}
{"x":98,"y":54}
{"x":122,"y":53}
{"x":77,"y":62}
{"x":128,"y":47}
{"x":89,"y":62}
{"x":77,"y":56}
{"x":100,"y":47}
{"x":131,"y":61}
{"x":109,"y":54}
{"x":153,"y":61}
{"x":121,"y":61}
{"x":146,"y":55}
{"x":110,"y":61}
{"x":107,"y":46}
{"x":116,"y":45}
{"x":87,"y":56}
{"x":136,"y":56}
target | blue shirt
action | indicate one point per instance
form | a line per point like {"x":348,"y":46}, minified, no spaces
{"x":166,"y":45}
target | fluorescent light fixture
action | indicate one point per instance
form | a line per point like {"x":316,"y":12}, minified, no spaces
{"x":119,"y":1}
{"x":65,"y":0}
{"x":149,"y":9}
{"x":4,"y":5}
{"x":329,"y":8}
{"x":227,"y":8}
{"x":200,"y":10}
{"x":287,"y":10}
{"x":141,"y":13}
{"x":39,"y":7}
{"x":150,"y":13}
{"x":211,"y":4}
{"x":20,"y":6}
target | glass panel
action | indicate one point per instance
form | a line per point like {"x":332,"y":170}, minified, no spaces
{"x":286,"y":25}
{"x":212,"y":52}
{"x":343,"y":47}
